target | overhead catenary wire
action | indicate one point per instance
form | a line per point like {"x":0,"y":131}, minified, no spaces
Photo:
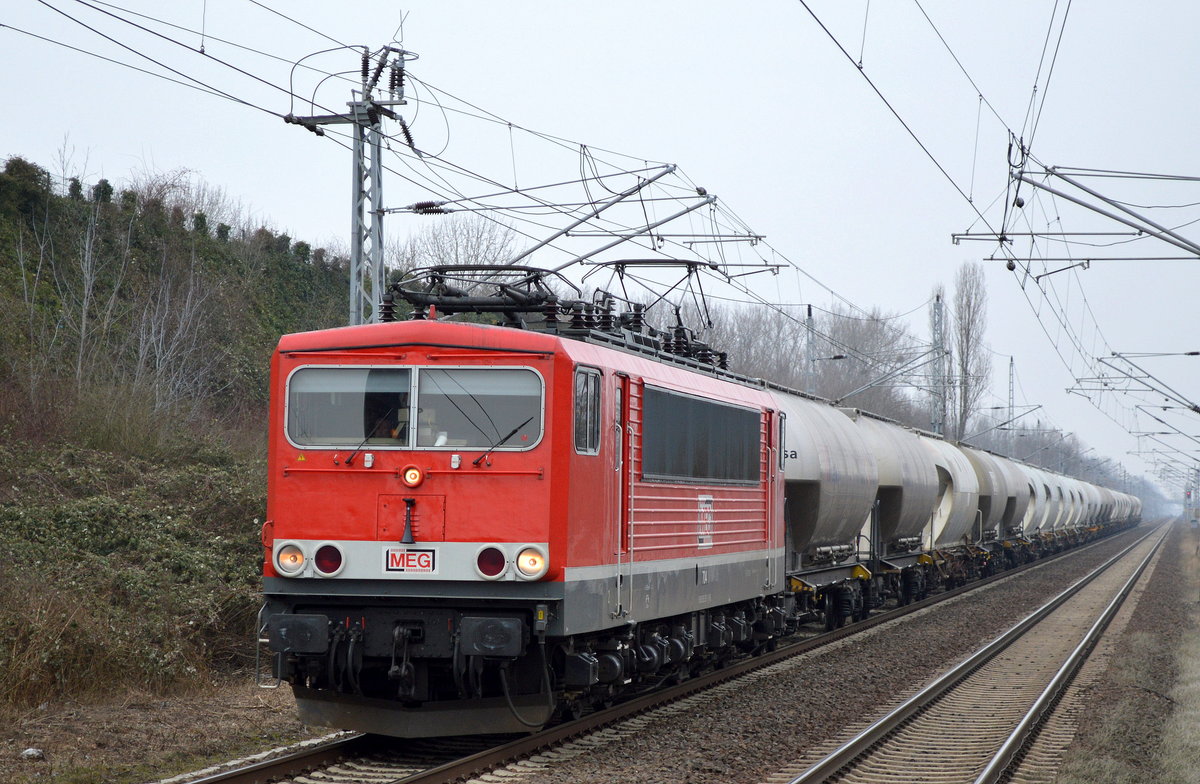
{"x":210,"y":37}
{"x":198,"y":84}
{"x":178,"y":43}
{"x":189,"y":84}
{"x":160,"y":64}
{"x":978,"y":91}
{"x":324,"y":35}
{"x":1050,"y":71}
{"x":590,"y":160}
{"x":895,"y":113}
{"x":719,"y":212}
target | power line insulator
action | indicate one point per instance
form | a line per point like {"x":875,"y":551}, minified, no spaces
{"x":408,"y":139}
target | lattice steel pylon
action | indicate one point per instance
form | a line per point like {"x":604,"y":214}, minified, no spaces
{"x":937,"y":414}
{"x":1011,"y":438}
{"x":811,"y":346}
{"x":367,"y":273}
{"x":366,"y":215}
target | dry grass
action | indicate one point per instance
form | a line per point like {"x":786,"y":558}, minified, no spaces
{"x":1179,"y":754}
{"x":1131,"y":709}
{"x":44,"y":627}
{"x":142,"y":736}
{"x":1124,"y":733}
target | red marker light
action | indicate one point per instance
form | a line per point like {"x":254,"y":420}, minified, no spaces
{"x":412,"y":476}
{"x":490,"y":562}
{"x":328,"y":559}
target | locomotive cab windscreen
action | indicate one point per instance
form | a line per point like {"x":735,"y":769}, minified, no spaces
{"x":415,"y":408}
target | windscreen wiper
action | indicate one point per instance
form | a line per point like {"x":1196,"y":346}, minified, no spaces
{"x":511,"y":433}
{"x":370,"y":435}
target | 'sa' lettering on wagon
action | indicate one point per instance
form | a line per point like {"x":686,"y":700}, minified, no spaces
{"x":410,"y":561}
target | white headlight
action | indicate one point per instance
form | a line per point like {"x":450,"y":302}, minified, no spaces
{"x":531,"y":563}
{"x":290,"y":559}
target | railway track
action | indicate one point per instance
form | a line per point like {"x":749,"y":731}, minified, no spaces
{"x":371,"y":759}
{"x":944,"y":733}
{"x":348,"y":759}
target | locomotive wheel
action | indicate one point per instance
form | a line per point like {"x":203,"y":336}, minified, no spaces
{"x":832,"y":617}
{"x":569,"y":711}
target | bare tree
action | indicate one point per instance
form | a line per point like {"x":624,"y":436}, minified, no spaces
{"x":870,"y":359}
{"x":972,"y":359}
{"x":456,"y":239}
{"x":174,"y":358}
{"x":42,"y":328}
{"x":759,"y":342}
{"x":89,"y":284}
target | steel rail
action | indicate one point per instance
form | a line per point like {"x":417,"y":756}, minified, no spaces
{"x":1032,"y":720}
{"x":294,"y":763}
{"x":848,"y":751}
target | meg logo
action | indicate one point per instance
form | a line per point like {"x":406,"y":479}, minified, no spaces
{"x":410,"y":560}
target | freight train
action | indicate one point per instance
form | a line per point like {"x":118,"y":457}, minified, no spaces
{"x":479,"y":529}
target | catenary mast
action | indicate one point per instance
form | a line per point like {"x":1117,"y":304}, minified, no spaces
{"x":366,"y":114}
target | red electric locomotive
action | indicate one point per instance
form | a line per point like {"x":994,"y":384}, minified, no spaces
{"x":472,"y":527}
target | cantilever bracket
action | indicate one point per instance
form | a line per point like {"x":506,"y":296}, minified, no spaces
{"x":1082,"y":265}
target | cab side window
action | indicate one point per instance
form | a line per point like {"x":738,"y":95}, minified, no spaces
{"x":587,"y":411}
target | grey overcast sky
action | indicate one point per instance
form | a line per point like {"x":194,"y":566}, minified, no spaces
{"x":755,"y":102}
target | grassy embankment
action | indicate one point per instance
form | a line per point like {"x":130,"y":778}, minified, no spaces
{"x":1143,"y":718}
{"x":123,"y":571}
{"x":138,"y":325}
